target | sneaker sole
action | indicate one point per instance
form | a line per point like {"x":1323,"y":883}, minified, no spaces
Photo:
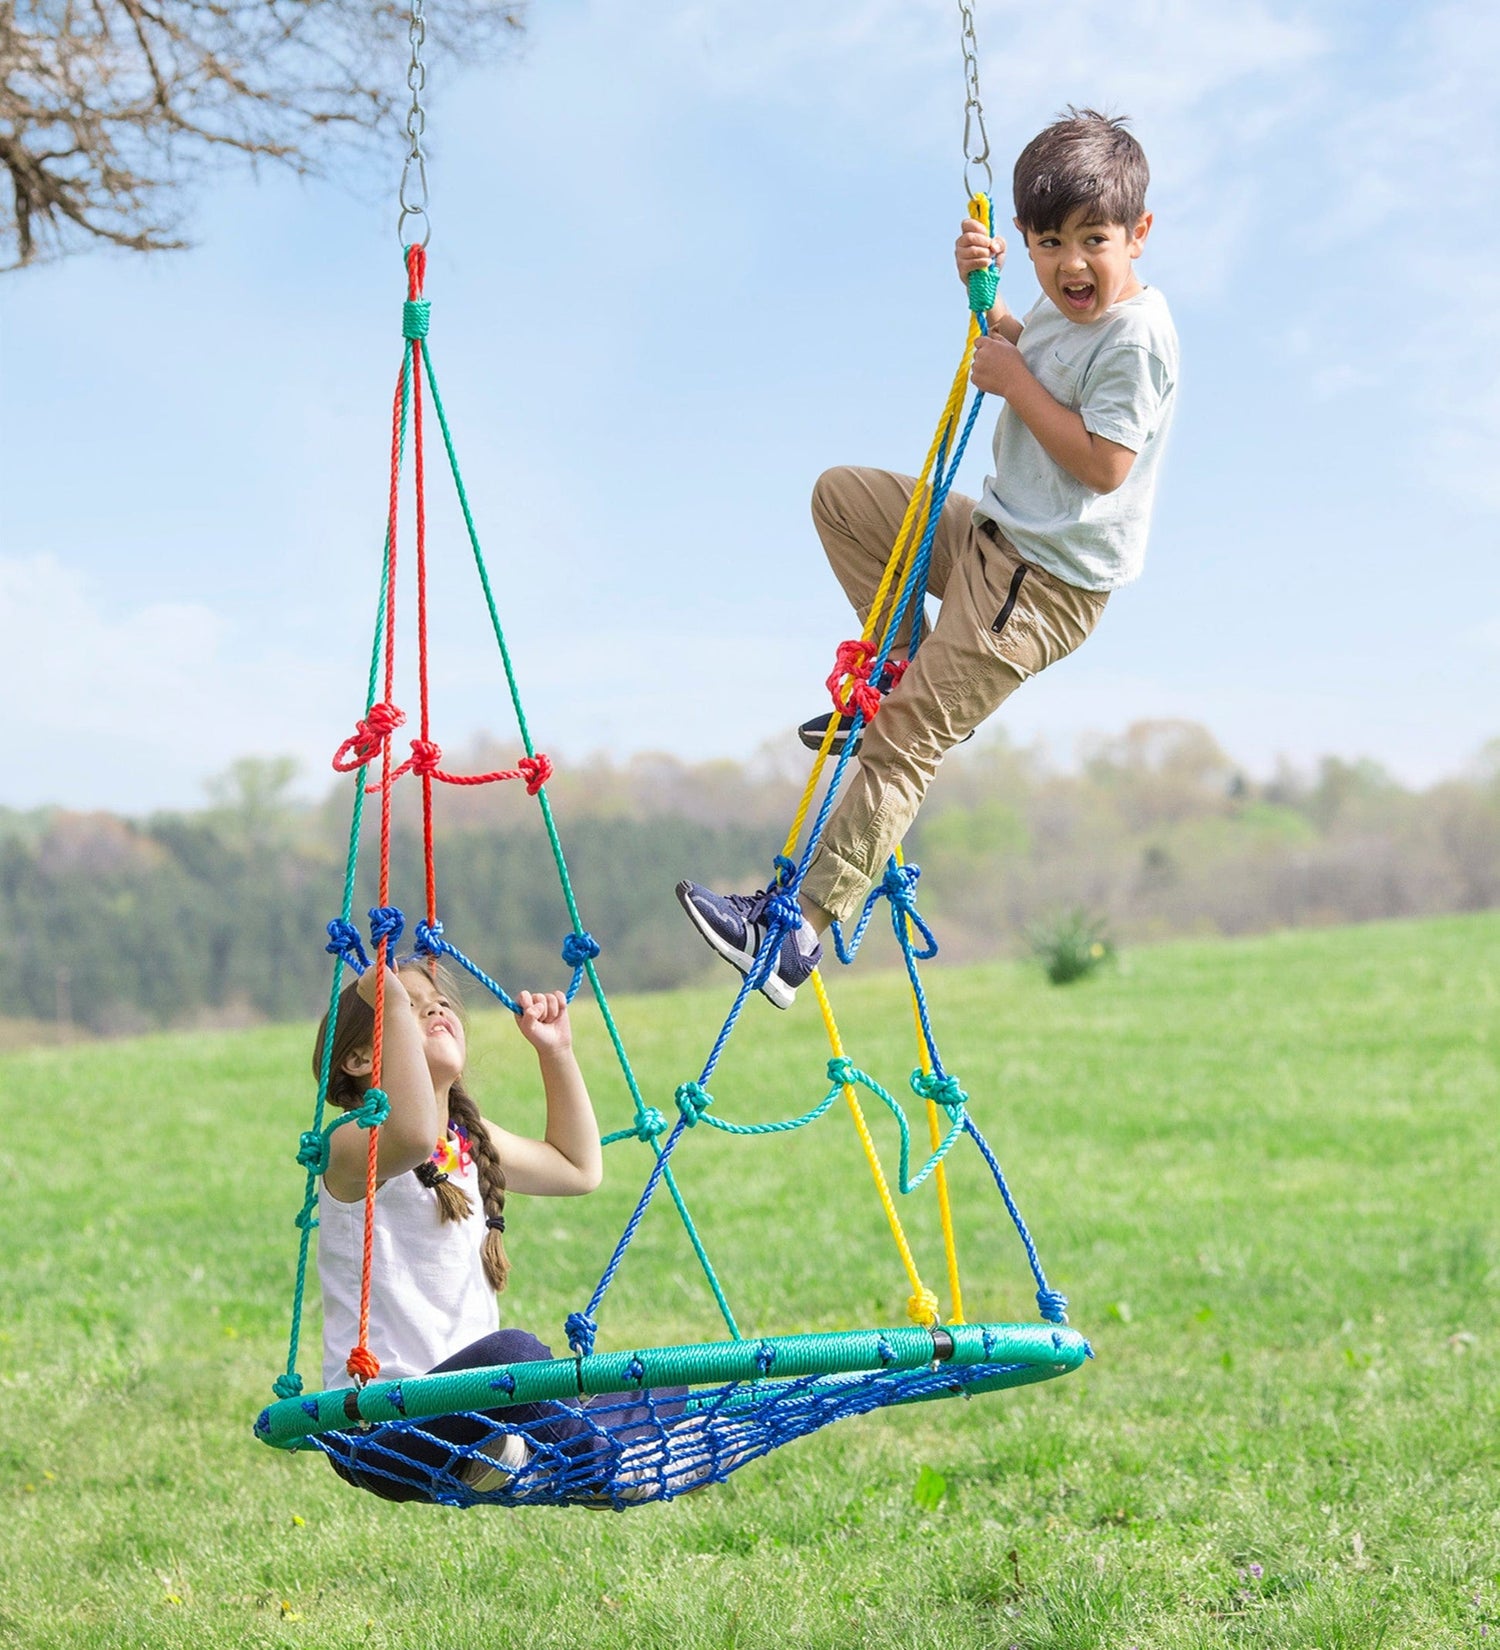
{"x":774,"y":990}
{"x":814,"y":742}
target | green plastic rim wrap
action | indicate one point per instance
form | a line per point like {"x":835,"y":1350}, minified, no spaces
{"x":1021,"y":1354}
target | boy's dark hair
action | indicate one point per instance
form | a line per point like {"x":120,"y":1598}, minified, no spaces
{"x":1083,"y":159}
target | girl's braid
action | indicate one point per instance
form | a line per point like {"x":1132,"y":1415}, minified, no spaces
{"x":463,"y":1111}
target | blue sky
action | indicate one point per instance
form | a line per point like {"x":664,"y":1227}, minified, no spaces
{"x":685,"y":256}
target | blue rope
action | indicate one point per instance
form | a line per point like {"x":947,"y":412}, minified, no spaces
{"x":1052,"y":1304}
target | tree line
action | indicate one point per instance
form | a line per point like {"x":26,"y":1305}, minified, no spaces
{"x":218,"y":915}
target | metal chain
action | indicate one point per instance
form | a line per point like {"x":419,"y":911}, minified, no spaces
{"x":976,"y":139}
{"x":413,"y":193}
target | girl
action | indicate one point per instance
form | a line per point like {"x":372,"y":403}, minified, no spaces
{"x":442,"y":1174}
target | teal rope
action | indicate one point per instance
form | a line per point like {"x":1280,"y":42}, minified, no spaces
{"x":559,"y":859}
{"x":843,"y":1071}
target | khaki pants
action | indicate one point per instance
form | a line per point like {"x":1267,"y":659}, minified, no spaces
{"x":1002,"y":620}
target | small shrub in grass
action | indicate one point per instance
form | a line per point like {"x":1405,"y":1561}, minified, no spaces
{"x":1070,"y":944}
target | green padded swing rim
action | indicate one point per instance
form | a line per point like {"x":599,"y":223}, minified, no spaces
{"x":1040,"y":1351}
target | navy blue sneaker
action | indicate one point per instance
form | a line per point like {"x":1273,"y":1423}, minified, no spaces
{"x":735,"y":925}
{"x":811,"y":733}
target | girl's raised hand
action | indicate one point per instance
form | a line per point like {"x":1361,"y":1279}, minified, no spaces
{"x":543,"y":1021}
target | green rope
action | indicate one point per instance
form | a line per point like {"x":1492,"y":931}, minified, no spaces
{"x":559,"y":859}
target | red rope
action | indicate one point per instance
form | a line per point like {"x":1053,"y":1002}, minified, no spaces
{"x":372,"y":734}
{"x":426,"y":754}
{"x":416,"y":269}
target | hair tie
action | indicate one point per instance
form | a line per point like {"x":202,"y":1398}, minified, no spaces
{"x":429,"y":1174}
{"x":496,"y":1223}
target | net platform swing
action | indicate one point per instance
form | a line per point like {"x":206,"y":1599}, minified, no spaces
{"x":601,"y":1428}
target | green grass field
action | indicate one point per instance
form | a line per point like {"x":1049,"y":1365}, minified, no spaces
{"x":1264,"y":1172}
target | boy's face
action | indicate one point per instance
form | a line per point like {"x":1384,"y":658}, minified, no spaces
{"x":1085,"y":266}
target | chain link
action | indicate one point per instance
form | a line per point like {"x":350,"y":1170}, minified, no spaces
{"x":413,"y":192}
{"x":976,"y":139}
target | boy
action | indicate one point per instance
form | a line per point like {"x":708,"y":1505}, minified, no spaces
{"x":1088,"y":380}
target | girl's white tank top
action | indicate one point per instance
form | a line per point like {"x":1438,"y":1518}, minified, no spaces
{"x":428,"y":1293}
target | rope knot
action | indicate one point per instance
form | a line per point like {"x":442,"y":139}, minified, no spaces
{"x":369,"y":737}
{"x":312,"y":1151}
{"x":1053,"y":1305}
{"x":535,"y":770}
{"x":650,"y":1124}
{"x":899,"y":885}
{"x":581,"y":1330}
{"x":416,"y":314}
{"x":786,"y":870}
{"x":344,"y":941}
{"x":428,"y":939}
{"x":287,"y":1386}
{"x":843,"y":1071}
{"x":386,"y":923}
{"x":849,"y":682}
{"x":944,"y":1090}
{"x":783,"y":911}
{"x":692,"y":1101}
{"x":922,"y":1307}
{"x":363,"y":1365}
{"x":373,"y":1110}
{"x":579,"y":948}
{"x":765,"y":1357}
{"x":426,"y":756}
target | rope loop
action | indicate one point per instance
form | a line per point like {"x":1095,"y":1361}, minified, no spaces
{"x":386,"y":923}
{"x":944,"y":1090}
{"x":786,"y":871}
{"x":535,"y":770}
{"x":416,"y":313}
{"x":650,"y":1124}
{"x":1053,"y":1305}
{"x":344,"y":941}
{"x":369,"y":737}
{"x":922,"y":1306}
{"x":578,"y":948}
{"x":373,"y":1110}
{"x":692,"y":1101}
{"x":287,"y":1386}
{"x":427,"y":940}
{"x":765,"y":1357}
{"x":312,"y":1151}
{"x":581,"y":1330}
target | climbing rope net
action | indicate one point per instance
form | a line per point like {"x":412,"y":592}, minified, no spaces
{"x":617,"y":1428}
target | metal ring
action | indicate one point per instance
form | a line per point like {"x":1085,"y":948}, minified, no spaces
{"x":414,"y":212}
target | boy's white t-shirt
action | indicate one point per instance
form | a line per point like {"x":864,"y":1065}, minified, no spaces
{"x":429,"y":1296}
{"x":1120,"y":374}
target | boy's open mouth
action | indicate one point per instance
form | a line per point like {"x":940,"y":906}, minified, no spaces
{"x":1078,"y":294}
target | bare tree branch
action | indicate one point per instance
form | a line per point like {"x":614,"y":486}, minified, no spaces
{"x":110,"y":110}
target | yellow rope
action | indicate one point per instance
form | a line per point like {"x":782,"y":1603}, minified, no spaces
{"x":923,"y":1303}
{"x":908,"y":538}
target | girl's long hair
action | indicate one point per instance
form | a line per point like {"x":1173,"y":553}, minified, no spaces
{"x":354,"y":1034}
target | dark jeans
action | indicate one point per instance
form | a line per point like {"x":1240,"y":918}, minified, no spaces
{"x":398,"y":1463}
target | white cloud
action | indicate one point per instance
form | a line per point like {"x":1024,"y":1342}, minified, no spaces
{"x":136,"y":704}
